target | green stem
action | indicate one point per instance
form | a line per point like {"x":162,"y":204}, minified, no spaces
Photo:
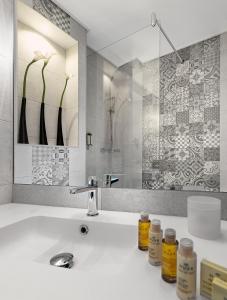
{"x":44,"y":82}
{"x":62,"y":96}
{"x":25,"y":77}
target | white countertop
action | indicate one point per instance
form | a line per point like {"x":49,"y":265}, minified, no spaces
{"x":34,"y":281}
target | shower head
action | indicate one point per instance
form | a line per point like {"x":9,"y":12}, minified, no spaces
{"x":153,"y":20}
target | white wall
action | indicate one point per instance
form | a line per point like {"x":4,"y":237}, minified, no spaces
{"x":6,"y":100}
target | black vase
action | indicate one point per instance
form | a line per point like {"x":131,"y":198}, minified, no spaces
{"x":42,"y":126}
{"x":23,"y":135}
{"x":60,"y":141}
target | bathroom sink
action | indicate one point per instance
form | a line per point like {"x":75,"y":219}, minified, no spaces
{"x":108,"y":246}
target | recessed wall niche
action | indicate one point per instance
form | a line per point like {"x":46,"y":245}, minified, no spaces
{"x":38,"y":38}
{"x":51,"y":163}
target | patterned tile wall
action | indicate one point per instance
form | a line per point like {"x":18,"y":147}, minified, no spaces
{"x":53,"y":13}
{"x":189,"y":137}
{"x":50,"y":165}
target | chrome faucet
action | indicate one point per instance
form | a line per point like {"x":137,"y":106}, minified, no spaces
{"x":92,"y":189}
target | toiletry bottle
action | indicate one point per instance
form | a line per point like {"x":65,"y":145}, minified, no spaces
{"x":186,"y":270}
{"x":169,"y":256}
{"x":143,"y":231}
{"x":155,"y":243}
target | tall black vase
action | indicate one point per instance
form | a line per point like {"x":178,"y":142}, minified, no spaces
{"x":42,"y":126}
{"x":23,"y":135}
{"x":60,"y":141}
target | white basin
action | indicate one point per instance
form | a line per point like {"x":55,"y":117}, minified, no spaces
{"x":108,"y":264}
{"x":109,"y":247}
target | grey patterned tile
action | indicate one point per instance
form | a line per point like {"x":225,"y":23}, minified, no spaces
{"x":60,"y":173}
{"x":196,"y":115}
{"x":182,"y":141}
{"x":212,"y":182}
{"x":182,"y":129}
{"x":212,"y":113}
{"x":211,"y":127}
{"x":212,"y":92}
{"x":196,"y":128}
{"x":165,"y":131}
{"x":182,"y":117}
{"x":212,"y":154}
{"x":42,"y":155}
{"x":42,"y":174}
{"x":197,"y":56}
{"x":152,"y":180}
{"x":197,"y":77}
{"x":211,"y":140}
{"x":196,"y":90}
{"x":53,"y":13}
{"x":196,"y":152}
{"x":167,"y":153}
{"x":196,"y":140}
{"x":50,"y":165}
{"x":211,"y":167}
{"x":167,"y":141}
{"x":212,"y":53}
{"x":182,"y":154}
{"x":168,"y":119}
{"x":167,"y":165}
{"x":190,"y":118}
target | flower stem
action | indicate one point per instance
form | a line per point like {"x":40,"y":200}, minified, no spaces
{"x":25,"y":77}
{"x":44,"y":82}
{"x":63,"y":93}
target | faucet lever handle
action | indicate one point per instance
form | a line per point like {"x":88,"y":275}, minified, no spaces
{"x":92,"y":181}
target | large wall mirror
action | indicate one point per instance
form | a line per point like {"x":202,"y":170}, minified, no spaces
{"x":153,"y":121}
{"x":46,"y":100}
{"x":157,"y":122}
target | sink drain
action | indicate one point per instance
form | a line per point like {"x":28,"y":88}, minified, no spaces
{"x":84,"y":229}
{"x":62,"y":260}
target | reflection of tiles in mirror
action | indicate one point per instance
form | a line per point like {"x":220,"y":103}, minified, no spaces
{"x":53,"y":13}
{"x":50,"y":165}
{"x":189,"y":139}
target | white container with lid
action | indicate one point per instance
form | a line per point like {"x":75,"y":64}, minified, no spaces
{"x":204,"y":217}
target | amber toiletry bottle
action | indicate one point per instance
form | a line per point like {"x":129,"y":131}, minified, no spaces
{"x":169,"y":256}
{"x":186,"y":270}
{"x":143,"y":231}
{"x":155,"y":243}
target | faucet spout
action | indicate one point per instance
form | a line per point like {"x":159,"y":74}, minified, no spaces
{"x":92,"y":190}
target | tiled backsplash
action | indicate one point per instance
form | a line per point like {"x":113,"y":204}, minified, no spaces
{"x":186,"y":155}
{"x":50,"y":165}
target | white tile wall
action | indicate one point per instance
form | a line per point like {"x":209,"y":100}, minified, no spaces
{"x":223,"y":113}
{"x":6,"y":100}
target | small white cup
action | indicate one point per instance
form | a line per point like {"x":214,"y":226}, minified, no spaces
{"x":204,"y":217}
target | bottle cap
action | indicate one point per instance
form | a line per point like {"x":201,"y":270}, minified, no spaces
{"x":170,"y":235}
{"x":144,"y":216}
{"x":156,"y":225}
{"x":186,"y":246}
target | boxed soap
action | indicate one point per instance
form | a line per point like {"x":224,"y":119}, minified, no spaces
{"x":219,"y":289}
{"x":208,"y":272}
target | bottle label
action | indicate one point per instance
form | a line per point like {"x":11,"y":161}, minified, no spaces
{"x":186,"y":277}
{"x":169,"y":259}
{"x":143,"y":234}
{"x":155,"y":247}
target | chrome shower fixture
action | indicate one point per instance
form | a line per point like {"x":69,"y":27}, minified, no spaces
{"x":154,"y":22}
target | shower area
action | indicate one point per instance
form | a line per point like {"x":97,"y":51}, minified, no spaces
{"x":151,"y":110}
